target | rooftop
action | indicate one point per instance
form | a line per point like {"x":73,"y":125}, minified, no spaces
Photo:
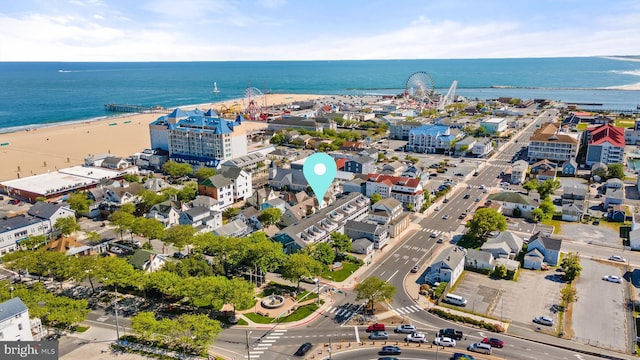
{"x":62,"y":180}
{"x":607,"y":133}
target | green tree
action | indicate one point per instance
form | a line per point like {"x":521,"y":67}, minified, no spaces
{"x":93,"y":237}
{"x":375,"y":197}
{"x":341,"y":242}
{"x":262,"y":253}
{"x":548,"y":209}
{"x":538,"y":214}
{"x":32,"y":242}
{"x":204,"y":173}
{"x":568,"y":294}
{"x":321,"y":252}
{"x":148,"y":227}
{"x":571,"y":266}
{"x":188,"y":192}
{"x":122,"y":220}
{"x":270,"y":216}
{"x":230,"y":212}
{"x":486,"y":220}
{"x":517,"y":212}
{"x":531,"y":185}
{"x":129,"y":208}
{"x":194,"y":332}
{"x":66,"y":225}
{"x":80,"y":203}
{"x":176,"y":169}
{"x":300,"y":265}
{"x":236,"y":292}
{"x":149,"y":198}
{"x":179,"y":235}
{"x":114,"y":271}
{"x":616,"y":171}
{"x":374,"y":290}
{"x":500,"y":271}
{"x":547,"y":187}
{"x":601,"y":172}
{"x":277,"y":139}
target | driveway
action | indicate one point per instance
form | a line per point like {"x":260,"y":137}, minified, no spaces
{"x":599,"y":316}
{"x":517,"y":301}
{"x":590,"y":234}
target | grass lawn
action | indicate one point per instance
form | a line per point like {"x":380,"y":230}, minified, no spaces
{"x":301,"y":313}
{"x":582,"y":126}
{"x":625,"y":123}
{"x":557,"y":224}
{"x":469,"y":242}
{"x":305,"y":295}
{"x":340,"y":275}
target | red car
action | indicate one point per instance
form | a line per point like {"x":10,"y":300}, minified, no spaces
{"x":493,"y":342}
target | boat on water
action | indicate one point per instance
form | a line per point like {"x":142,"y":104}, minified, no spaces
{"x":215,"y":87}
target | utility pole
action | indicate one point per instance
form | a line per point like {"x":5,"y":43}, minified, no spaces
{"x":318,"y":283}
{"x":247,"y":333}
{"x":115,"y":308}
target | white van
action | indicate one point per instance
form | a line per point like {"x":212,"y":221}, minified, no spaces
{"x":480,"y":348}
{"x":455,"y":300}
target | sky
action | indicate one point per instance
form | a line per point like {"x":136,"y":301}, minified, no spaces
{"x":245,"y":30}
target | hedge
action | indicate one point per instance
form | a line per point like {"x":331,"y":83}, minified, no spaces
{"x":467,"y":320}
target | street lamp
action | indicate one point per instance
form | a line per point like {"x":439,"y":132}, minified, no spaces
{"x":247,"y":333}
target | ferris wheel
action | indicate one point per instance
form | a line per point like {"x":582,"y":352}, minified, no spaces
{"x":251,"y":99}
{"x":420,"y":87}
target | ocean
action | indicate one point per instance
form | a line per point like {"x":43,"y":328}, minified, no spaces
{"x":46,"y":93}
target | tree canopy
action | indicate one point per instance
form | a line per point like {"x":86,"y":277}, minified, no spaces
{"x":374,"y":290}
{"x":571,"y":266}
{"x":485,"y":221}
{"x":300,"y":265}
{"x":616,"y":171}
{"x":270,"y":216}
{"x":79,"y":202}
{"x":176,"y":169}
{"x":66,"y":225}
{"x":341,"y":242}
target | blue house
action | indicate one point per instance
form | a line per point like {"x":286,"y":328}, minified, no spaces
{"x":570,"y":168}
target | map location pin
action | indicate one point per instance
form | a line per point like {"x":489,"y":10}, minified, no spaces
{"x":320,"y":169}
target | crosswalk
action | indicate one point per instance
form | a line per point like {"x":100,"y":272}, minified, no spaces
{"x":265,"y":343}
{"x":407,"y":310}
{"x":437,"y":232}
{"x":340,"y":312}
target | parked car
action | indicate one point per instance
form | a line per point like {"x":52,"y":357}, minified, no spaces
{"x":379,"y":335}
{"x":405,"y":329}
{"x":444,"y":341}
{"x":309,"y":280}
{"x":462,"y":216}
{"x":416,"y":337}
{"x":440,"y":241}
{"x":494,"y":342}
{"x":179,"y":255}
{"x":543,"y":320}
{"x":303,"y":349}
{"x":480,"y":348}
{"x":390,"y":350}
{"x":617,"y":258}
{"x":437,"y":208}
{"x":613,"y":279}
{"x":462,"y":356}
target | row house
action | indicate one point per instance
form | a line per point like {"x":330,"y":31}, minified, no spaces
{"x":371,"y":231}
{"x":318,"y":227}
{"x":549,"y":143}
{"x":406,"y":190}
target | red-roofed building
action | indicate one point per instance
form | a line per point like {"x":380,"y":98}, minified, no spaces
{"x":404,"y":189}
{"x":340,"y":163}
{"x":605,"y":145}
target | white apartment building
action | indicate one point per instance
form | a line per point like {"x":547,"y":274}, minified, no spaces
{"x":14,"y":321}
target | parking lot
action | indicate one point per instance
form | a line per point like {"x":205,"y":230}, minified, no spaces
{"x":518,"y":302}
{"x":599,"y":316}
{"x":590,"y":234}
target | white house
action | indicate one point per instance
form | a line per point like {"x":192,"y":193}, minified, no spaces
{"x":201,"y":218}
{"x":504,"y":245}
{"x":241,"y":179}
{"x":482,"y":260}
{"x":542,"y":248}
{"x":512,"y":200}
{"x":148,"y":261}
{"x":482,"y":147}
{"x":448,"y":266}
{"x":218,"y":187}
{"x":167,"y":212}
{"x":362,"y":246}
{"x":14,"y":321}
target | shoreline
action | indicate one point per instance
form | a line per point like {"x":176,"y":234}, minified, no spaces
{"x":36,"y":150}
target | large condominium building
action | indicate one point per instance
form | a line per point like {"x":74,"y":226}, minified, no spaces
{"x":400,"y":130}
{"x":430,"y":139}
{"x":199,"y":138}
{"x":605,"y":145}
{"x":549,"y":143}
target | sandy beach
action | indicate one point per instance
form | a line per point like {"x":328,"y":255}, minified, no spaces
{"x":37,"y":151}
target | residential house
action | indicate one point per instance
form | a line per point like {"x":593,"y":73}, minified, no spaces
{"x":352,"y":145}
{"x":204,"y":201}
{"x":296,"y":212}
{"x":120,"y":193}
{"x":574,"y":193}
{"x":481,"y":260}
{"x":412,"y":172}
{"x":360,"y":165}
{"x":356,"y":185}
{"x":605,"y":144}
{"x":220,"y":188}
{"x":406,"y":190}
{"x":482,"y":147}
{"x":370,"y":152}
{"x":599,"y":168}
{"x":613,"y":197}
{"x":276,"y":203}
{"x":114,"y":163}
{"x":389,"y":212}
{"x":241,"y":180}
{"x":167,"y":212}
{"x":465,"y":145}
{"x":393,"y":168}
{"x":512,"y":200}
{"x":504,"y":245}
{"x":547,"y":142}
{"x":430,"y":139}
{"x":374,"y":232}
{"x":570,"y":168}
{"x":544,"y":170}
{"x":250,"y":216}
{"x":519,"y":171}
{"x":235,"y":228}
{"x":201,"y":218}
{"x":15,"y":323}
{"x":148,"y":261}
{"x":617,"y":213}
{"x":290,"y":179}
{"x":150,"y":158}
{"x":614,"y":183}
{"x":573,"y":211}
{"x":50,"y":212}
{"x":155,"y":184}
{"x":261,"y":196}
{"x":542,"y":248}
{"x":318,"y":227}
{"x":448,"y":266}
{"x":362,"y":246}
{"x":253,"y":163}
